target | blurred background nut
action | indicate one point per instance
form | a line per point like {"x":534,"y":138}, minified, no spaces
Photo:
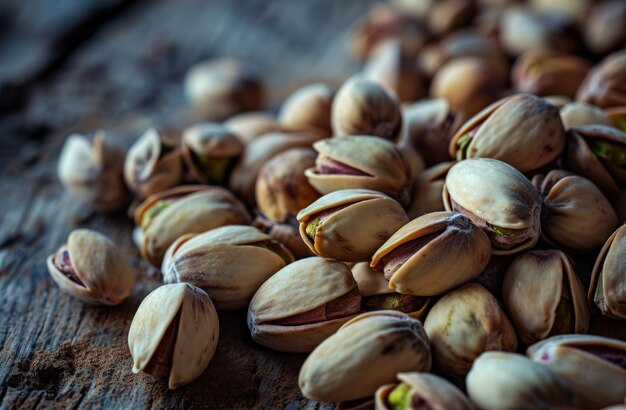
{"x":222,"y":87}
{"x":210,"y":151}
{"x":543,"y":296}
{"x":599,"y":359}
{"x":445,"y":16}
{"x":349,"y":225}
{"x":577,"y":114}
{"x":427,"y":190}
{"x":308,"y":109}
{"x":604,"y":84}
{"x":302,"y":304}
{"x":152,"y":164}
{"x":91,"y":268}
{"x":617,"y":117}
{"x":363,"y":107}
{"x":604,"y":30}
{"x":93,"y":171}
{"x":508,"y":381}
{"x":249,"y":125}
{"x":339,"y":369}
{"x":608,"y":279}
{"x":465,"y":323}
{"x":433,"y":254}
{"x":174,"y":334}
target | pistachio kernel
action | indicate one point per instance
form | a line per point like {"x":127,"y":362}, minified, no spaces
{"x":216,"y":169}
{"x":400,"y":397}
{"x":63,"y":263}
{"x":505,"y":231}
{"x":153,"y":211}
{"x":620,"y":123}
{"x":393,"y":301}
{"x":612,"y":155}
{"x":463,"y":143}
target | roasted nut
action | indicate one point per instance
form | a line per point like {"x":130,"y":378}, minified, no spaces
{"x":604,"y":84}
{"x":229,"y":263}
{"x":592,"y":365}
{"x":415,"y":163}
{"x":308,"y":109}
{"x":543,"y":296}
{"x":249,"y":125}
{"x":524,"y":131}
{"x":465,"y":323}
{"x":302,"y":304}
{"x":164,"y":217}
{"x":91,"y":268}
{"x":349,"y":225}
{"x":509,"y":381}
{"x":339,"y":369}
{"x":446,"y":16}
{"x":93,"y":172}
{"x":498,"y":198}
{"x":421,"y":390}
{"x":604,"y":29}
{"x":223,"y":87}
{"x":608,"y":279}
{"x":174,"y":334}
{"x":151,"y":165}
{"x":577,"y":114}
{"x":287,"y":233}
{"x":422,"y":258}
{"x":575,"y":214}
{"x":577,"y":10}
{"x":427,"y":190}
{"x":362,"y":107}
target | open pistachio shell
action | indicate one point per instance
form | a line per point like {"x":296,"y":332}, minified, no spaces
{"x":608,"y":279}
{"x":165,"y":216}
{"x":577,"y":114}
{"x":427,"y":190}
{"x":340,"y":368}
{"x":499,"y":199}
{"x":433,"y":254}
{"x":604,"y":84}
{"x":592,"y":365}
{"x":174,"y":334}
{"x":229,"y":263}
{"x":92,"y":268}
{"x":349,"y":225}
{"x":302,"y":304}
{"x":510,"y":381}
{"x":308,"y":109}
{"x":465,"y":323}
{"x":543,"y":296}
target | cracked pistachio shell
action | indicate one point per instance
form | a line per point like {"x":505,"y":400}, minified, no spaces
{"x":340,"y":368}
{"x":229,"y":263}
{"x":249,"y":125}
{"x":166,"y":216}
{"x":523,"y":130}
{"x":604,"y":84}
{"x":422,"y":258}
{"x":499,"y":199}
{"x":592,"y":365}
{"x":174,"y":334}
{"x":349,"y":225}
{"x":359,"y":162}
{"x":209,"y":151}
{"x":608,"y":279}
{"x":363,"y":107}
{"x":510,"y":381}
{"x":575,"y":215}
{"x":93,"y":171}
{"x":427,"y":190}
{"x":465,"y":323}
{"x":597,"y":152}
{"x":303,"y":304}
{"x":422,"y":391}
{"x":577,"y":114}
{"x":308,"y":109}
{"x":151,"y":166}
{"x":92,"y":268}
{"x":543,"y":296}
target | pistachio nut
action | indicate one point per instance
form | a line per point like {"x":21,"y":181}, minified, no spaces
{"x":491,"y":277}
{"x":543,"y":296}
{"x":510,"y":381}
{"x":577,"y":114}
{"x":617,"y":117}
{"x":287,"y":233}
{"x":308,"y":109}
{"x":465,"y":323}
{"x":349,"y":225}
{"x":249,"y":125}
{"x":603,"y":85}
{"x":152,"y":165}
{"x":339,"y":369}
{"x":427,"y":190}
{"x":174,"y":334}
{"x":223,"y":87}
{"x":523,"y":130}
{"x":93,"y":171}
{"x":604,"y":30}
{"x":446,"y":16}
{"x":422,"y":257}
{"x":282,"y":190}
{"x":210,"y":151}
{"x":359,"y":162}
{"x":302,"y":304}
{"x":577,"y":10}
{"x":499,"y":199}
{"x":362,"y":107}
{"x":421,"y":391}
{"x":229,"y":263}
{"x":165,"y":216}
{"x":608,"y":279}
{"x":575,"y":214}
{"x":593,"y":365}
{"x":91,"y":268}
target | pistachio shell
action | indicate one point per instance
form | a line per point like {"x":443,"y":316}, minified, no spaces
{"x":603,"y":85}
{"x":308,"y":109}
{"x":249,"y":125}
{"x":577,"y":114}
{"x":608,"y":279}
{"x":427,"y":190}
{"x":286,"y":233}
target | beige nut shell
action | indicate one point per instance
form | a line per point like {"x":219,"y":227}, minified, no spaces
{"x":609,"y":276}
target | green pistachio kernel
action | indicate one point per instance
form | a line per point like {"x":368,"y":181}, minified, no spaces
{"x":393,"y":301}
{"x":564,"y":319}
{"x":462,"y":145}
{"x":311,"y":228}
{"x":613,"y":156}
{"x":620,"y":123}
{"x":153,"y":211}
{"x":279,"y":250}
{"x":505,"y":231}
{"x":216,"y":169}
{"x":400,"y":397}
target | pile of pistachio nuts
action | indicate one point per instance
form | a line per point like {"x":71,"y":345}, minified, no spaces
{"x":425,"y":232}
